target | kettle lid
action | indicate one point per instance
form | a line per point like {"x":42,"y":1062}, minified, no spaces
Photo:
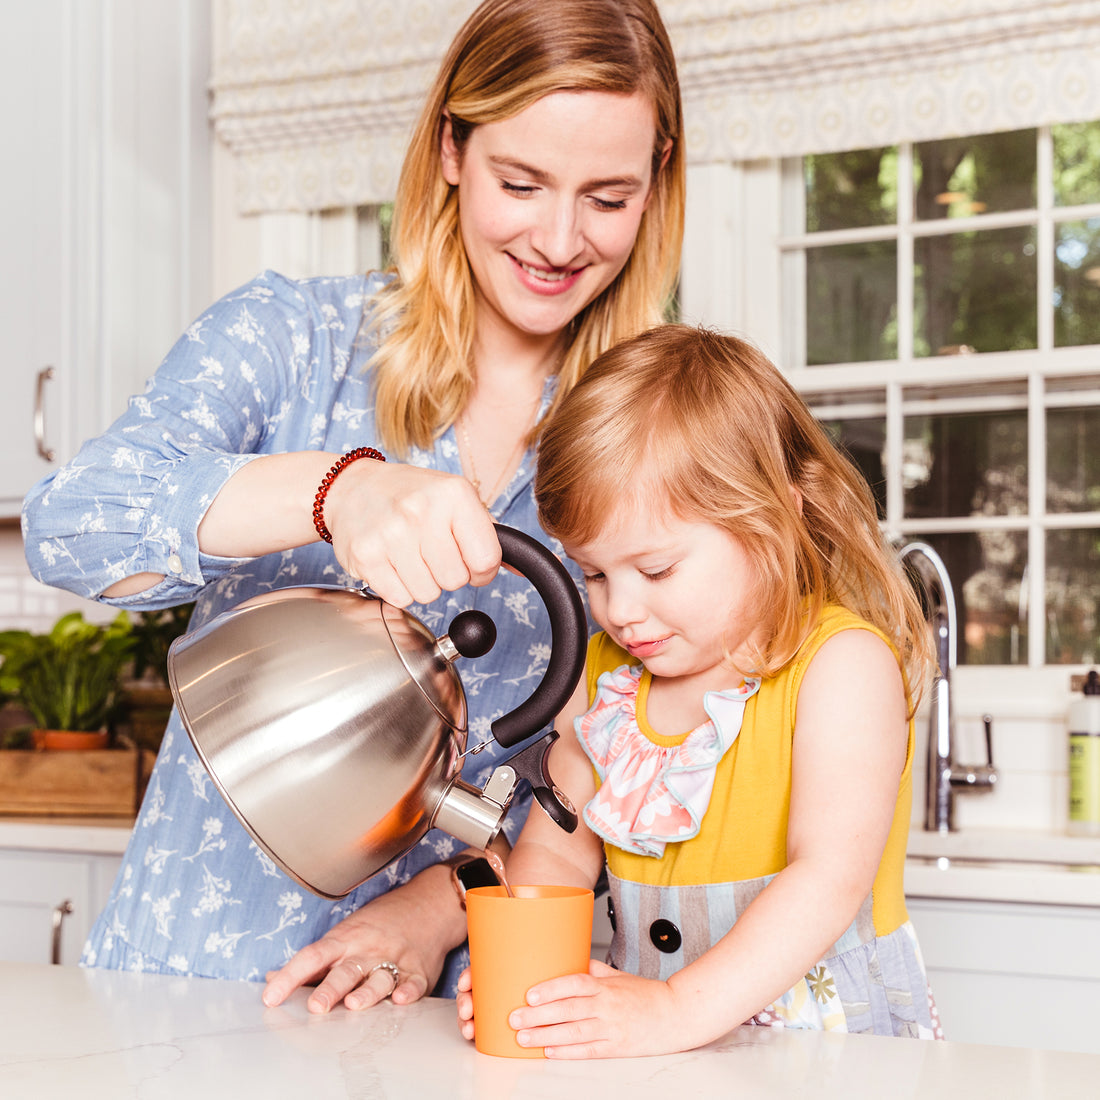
{"x":428,"y":661}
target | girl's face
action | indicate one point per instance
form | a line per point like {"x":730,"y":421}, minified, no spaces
{"x":678,"y":595}
{"x":550,"y":202}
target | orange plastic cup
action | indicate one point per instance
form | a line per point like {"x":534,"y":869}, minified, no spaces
{"x":543,"y":932}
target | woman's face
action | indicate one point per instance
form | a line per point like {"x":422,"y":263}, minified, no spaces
{"x":550,"y":202}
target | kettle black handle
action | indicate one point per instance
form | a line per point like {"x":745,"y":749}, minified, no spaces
{"x":568,"y":636}
{"x":530,"y":764}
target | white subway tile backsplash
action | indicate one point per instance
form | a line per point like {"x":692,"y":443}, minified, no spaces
{"x":27,"y":604}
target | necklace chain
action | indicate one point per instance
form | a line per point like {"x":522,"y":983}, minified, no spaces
{"x":466,"y":457}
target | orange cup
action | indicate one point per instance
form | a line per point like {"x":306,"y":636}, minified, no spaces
{"x":543,"y":932}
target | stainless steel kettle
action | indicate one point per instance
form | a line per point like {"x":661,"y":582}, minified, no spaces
{"x":334,"y":724}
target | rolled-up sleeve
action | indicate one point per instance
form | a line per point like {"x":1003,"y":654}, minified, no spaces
{"x":132,"y":499}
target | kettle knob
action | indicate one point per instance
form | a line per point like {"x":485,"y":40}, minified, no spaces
{"x":472,"y":633}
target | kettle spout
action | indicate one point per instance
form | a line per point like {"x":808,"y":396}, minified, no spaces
{"x":475,"y":817}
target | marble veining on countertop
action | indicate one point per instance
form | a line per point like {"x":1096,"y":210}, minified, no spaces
{"x":104,"y":1034}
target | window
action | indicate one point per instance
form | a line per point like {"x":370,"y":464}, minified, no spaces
{"x":940,"y":311}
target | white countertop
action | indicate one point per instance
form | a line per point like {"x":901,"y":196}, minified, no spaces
{"x":975,"y":864}
{"x":1004,"y":865}
{"x":104,"y":1034}
{"x":105,"y":835}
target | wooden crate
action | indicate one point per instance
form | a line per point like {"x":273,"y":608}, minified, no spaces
{"x":93,"y":782}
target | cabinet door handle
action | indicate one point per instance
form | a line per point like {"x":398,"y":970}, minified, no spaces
{"x":44,"y":376}
{"x":59,"y":914}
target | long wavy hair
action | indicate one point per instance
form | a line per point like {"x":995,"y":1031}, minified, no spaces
{"x":704,"y":425}
{"x":509,"y":54}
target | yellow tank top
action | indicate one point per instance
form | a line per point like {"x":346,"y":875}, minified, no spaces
{"x":744,"y":831}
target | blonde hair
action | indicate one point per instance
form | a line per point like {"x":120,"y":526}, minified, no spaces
{"x":509,"y":54}
{"x":705,"y":425}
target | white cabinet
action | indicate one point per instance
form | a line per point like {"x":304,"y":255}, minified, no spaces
{"x":48,"y":901}
{"x":55,"y":872}
{"x":1013,"y":974}
{"x":104,"y":213}
{"x":33,"y":81}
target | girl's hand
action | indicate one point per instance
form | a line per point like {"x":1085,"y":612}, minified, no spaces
{"x":412,"y":926}
{"x":410,"y":533}
{"x":602,"y":1014}
{"x":464,"y":1004}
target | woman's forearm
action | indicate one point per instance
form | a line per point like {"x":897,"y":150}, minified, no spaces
{"x":266,"y":506}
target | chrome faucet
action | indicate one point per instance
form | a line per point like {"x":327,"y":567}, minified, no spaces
{"x":945,"y":777}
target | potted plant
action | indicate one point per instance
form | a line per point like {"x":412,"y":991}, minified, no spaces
{"x":147,"y":700}
{"x":68,"y":679}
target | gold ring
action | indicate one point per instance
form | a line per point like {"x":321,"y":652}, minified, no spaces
{"x":362,"y":973}
{"x":391,"y":969}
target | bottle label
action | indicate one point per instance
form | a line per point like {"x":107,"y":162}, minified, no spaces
{"x":1084,"y":778}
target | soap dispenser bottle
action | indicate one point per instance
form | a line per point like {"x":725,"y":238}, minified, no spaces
{"x":1084,"y":759}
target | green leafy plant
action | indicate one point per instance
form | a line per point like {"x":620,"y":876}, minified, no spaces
{"x":154,"y":632}
{"x":69,"y":678}
{"x":147,"y":701}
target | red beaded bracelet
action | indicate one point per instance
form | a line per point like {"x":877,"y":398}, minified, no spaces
{"x":329,"y":478}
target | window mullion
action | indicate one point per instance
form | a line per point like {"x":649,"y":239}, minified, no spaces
{"x":895,"y":437}
{"x":905,"y":253}
{"x":895,"y":412}
{"x":1036,"y":509}
{"x":1036,"y":415}
{"x":1045,"y":240}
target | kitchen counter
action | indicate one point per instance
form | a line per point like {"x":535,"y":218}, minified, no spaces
{"x":975,"y":864}
{"x":108,"y":835}
{"x":103,"y":1034}
{"x":1004,"y":865}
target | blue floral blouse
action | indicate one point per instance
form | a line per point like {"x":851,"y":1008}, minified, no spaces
{"x":276,"y":366}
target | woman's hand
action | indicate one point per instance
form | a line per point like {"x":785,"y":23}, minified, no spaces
{"x":411,"y":926}
{"x":410,"y":533}
{"x":601,"y":1014}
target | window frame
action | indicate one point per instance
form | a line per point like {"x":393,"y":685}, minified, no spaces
{"x":736,"y":280}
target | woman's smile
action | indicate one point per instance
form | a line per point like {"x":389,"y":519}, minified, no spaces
{"x":549,"y":280}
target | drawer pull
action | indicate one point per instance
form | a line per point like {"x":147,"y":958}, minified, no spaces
{"x":59,"y":914}
{"x":44,"y":451}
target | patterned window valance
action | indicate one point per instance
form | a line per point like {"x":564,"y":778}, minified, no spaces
{"x":315,"y":100}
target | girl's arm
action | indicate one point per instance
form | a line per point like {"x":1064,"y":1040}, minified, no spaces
{"x":545,"y":854}
{"x":850,"y":743}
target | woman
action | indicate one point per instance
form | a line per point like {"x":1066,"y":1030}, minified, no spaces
{"x":538,"y":220}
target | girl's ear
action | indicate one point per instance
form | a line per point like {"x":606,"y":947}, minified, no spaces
{"x":449,"y":156}
{"x":796,"y":496}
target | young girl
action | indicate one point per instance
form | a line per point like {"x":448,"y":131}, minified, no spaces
{"x":744,"y":730}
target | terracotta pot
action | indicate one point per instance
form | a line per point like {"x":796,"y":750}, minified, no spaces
{"x":70,"y":739}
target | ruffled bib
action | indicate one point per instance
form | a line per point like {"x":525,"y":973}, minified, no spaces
{"x":652,"y":794}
